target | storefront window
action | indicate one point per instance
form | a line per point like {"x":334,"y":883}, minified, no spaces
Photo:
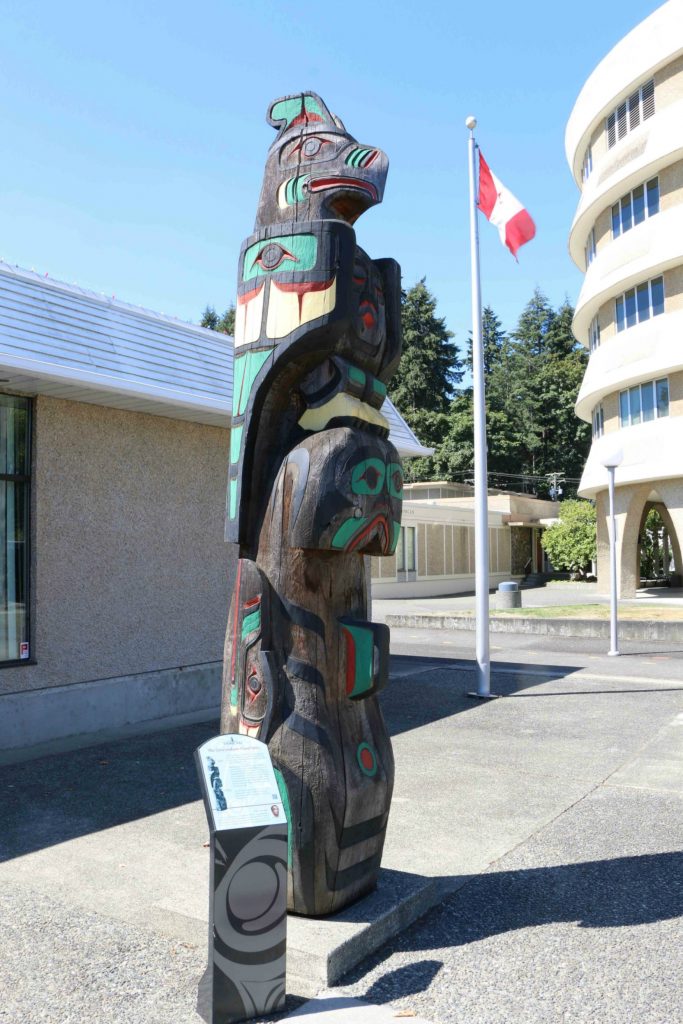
{"x":15,"y":463}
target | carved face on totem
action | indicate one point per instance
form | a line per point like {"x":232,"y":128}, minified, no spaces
{"x":352,"y":500}
{"x":315,"y":169}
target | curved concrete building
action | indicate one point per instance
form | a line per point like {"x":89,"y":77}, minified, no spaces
{"x":624,"y":144}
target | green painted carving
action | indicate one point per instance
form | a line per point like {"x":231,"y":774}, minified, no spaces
{"x":251,"y":622}
{"x":368,"y":477}
{"x":284,"y":796}
{"x":359,"y":653}
{"x":236,"y":443}
{"x":283,"y":253}
{"x":395,"y":479}
{"x":296,"y":109}
{"x":367,"y":759}
{"x":247,"y":366}
{"x":347,"y":531}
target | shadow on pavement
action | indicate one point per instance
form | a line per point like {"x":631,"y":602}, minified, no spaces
{"x":617,"y":893}
{"x":408,"y":980}
{"x":59,"y":797}
{"x":423,"y":690}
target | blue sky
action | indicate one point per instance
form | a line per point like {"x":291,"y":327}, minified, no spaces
{"x":134,"y":135}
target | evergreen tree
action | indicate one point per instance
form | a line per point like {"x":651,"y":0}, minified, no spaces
{"x":532,"y":378}
{"x":534,"y":327}
{"x":492,"y":342}
{"x":430,"y":367}
{"x":226,"y":324}
{"x":209,"y":318}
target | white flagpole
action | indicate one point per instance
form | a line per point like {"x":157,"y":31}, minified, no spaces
{"x":481,"y":519}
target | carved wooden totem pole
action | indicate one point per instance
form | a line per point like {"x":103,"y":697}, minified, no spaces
{"x":314,"y":486}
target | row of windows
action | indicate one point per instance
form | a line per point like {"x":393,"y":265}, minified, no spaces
{"x":640,"y":303}
{"x":632,"y":209}
{"x":644,"y":402}
{"x":633,"y":307}
{"x":639,"y":106}
{"x":639,"y":404}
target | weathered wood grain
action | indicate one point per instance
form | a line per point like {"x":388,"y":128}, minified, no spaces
{"x":314,"y":486}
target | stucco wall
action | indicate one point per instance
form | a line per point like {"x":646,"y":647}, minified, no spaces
{"x":131,"y":571}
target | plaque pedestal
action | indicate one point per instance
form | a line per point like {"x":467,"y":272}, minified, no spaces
{"x":248,"y":881}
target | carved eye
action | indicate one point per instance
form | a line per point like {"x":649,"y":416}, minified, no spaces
{"x":272,"y":255}
{"x":255,"y":685}
{"x":395,"y":479}
{"x":368,"y":477}
{"x":311,"y":146}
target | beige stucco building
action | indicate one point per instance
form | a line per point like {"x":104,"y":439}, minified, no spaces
{"x":624,"y":144}
{"x":435,"y":553}
{"x":114,"y":574}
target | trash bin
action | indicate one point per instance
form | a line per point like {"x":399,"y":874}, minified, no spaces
{"x":509,"y":595}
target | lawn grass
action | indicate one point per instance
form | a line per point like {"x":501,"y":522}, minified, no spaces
{"x":651,"y":612}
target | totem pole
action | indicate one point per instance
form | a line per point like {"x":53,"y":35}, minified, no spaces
{"x":314,"y":486}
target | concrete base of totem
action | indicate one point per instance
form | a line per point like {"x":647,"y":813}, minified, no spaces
{"x":321,"y":950}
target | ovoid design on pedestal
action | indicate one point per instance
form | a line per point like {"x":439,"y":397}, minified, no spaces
{"x":248,"y":880}
{"x":314,"y":486}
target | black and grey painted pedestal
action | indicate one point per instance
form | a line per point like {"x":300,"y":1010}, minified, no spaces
{"x":248,"y":881}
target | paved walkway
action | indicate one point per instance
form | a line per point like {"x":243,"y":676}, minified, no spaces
{"x":552,"y":819}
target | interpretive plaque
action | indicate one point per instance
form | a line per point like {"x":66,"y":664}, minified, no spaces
{"x":248,"y":886}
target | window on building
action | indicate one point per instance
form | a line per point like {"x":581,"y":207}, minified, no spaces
{"x":405,"y":550}
{"x":644,"y":402}
{"x":589,"y":251}
{"x":633,"y":208}
{"x":639,"y":106}
{"x":598,"y":421}
{"x":15,"y":463}
{"x":638,"y":304}
{"x":587,"y":165}
{"x":593,"y":334}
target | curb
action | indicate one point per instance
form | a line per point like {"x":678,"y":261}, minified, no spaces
{"x":629,"y":629}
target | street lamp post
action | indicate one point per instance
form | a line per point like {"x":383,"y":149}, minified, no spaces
{"x":610,"y":461}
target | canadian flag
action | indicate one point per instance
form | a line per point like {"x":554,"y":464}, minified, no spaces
{"x":498,"y":204}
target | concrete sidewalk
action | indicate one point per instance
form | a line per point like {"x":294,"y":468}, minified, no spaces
{"x":546,"y":825}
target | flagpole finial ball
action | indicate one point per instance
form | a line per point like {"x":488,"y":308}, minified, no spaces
{"x":471,"y":123}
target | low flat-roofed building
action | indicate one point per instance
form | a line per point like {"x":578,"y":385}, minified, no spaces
{"x":435,"y":553}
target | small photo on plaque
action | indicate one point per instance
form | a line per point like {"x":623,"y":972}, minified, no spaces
{"x":240,"y":782}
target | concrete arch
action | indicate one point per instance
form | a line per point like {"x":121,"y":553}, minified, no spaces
{"x":655,"y":502}
{"x":631,"y":504}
